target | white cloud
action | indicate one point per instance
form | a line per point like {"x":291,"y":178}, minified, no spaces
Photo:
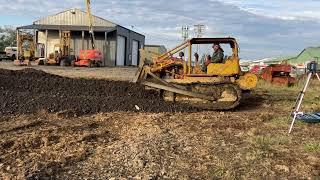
{"x":281,"y":9}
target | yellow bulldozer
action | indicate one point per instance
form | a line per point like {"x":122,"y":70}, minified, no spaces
{"x":179,"y":79}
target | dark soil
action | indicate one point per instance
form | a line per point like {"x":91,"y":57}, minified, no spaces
{"x":30,"y":91}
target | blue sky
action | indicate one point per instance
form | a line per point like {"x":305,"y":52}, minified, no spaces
{"x":263,"y":28}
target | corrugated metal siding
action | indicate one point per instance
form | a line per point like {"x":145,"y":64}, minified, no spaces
{"x":111,"y":49}
{"x":100,"y":45}
{"x":42,"y":37}
{"x":108,"y":49}
{"x":79,"y":18}
{"x":53,"y":39}
{"x":131,"y":36}
{"x":153,"y":51}
{"x":76,"y":42}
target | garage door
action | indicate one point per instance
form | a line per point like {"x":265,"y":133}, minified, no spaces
{"x":135,"y":52}
{"x":121,"y":51}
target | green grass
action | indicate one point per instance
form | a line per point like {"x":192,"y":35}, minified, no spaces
{"x":313,"y":87}
{"x":288,"y":95}
{"x":312,"y":147}
{"x":280,"y":120}
{"x":266,"y":142}
{"x":220,"y":170}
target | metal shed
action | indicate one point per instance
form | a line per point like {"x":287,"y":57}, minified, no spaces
{"x":119,"y":45}
{"x":307,"y":55}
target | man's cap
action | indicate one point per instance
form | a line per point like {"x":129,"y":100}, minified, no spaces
{"x":216,"y":44}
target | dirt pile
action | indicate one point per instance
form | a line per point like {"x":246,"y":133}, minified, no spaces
{"x":29,"y":91}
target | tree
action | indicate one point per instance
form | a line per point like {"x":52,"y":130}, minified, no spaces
{"x":7,"y":37}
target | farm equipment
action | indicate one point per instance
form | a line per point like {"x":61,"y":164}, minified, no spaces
{"x":220,"y":87}
{"x":61,"y":55}
{"x":26,"y":49}
{"x":55,"y":57}
{"x":257,"y":69}
{"x":278,"y":74}
{"x":90,"y":57}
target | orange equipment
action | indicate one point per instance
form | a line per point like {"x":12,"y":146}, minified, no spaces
{"x":91,"y":57}
{"x":278,"y":74}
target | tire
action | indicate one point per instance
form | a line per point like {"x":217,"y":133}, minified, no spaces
{"x":63,"y":62}
{"x":72,"y":63}
{"x":90,"y":64}
{"x":41,"y":62}
{"x":72,"y":58}
{"x":98,"y":64}
{"x":68,"y":60}
{"x":13,"y":57}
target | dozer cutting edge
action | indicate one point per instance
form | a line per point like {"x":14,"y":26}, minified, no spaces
{"x":179,"y":79}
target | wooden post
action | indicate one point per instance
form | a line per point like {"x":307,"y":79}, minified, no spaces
{"x":37,"y":51}
{"x":190,"y":59}
{"x":46,"y":42}
{"x":60,"y":37}
{"x":82,"y":34}
{"x":18,"y":51}
{"x":105,"y":47}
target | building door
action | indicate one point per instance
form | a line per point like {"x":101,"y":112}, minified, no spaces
{"x":135,"y":53}
{"x":121,"y":51}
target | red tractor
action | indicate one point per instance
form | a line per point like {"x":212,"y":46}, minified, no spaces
{"x":278,"y":74}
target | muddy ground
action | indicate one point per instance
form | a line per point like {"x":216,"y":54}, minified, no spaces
{"x":112,"y":139}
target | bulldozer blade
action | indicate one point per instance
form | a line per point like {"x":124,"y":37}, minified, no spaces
{"x":178,"y":91}
{"x":138,"y":74}
{"x":141,"y":73}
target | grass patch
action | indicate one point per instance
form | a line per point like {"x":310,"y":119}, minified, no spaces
{"x":276,"y":88}
{"x":268,"y":142}
{"x":286,"y":96}
{"x":219,"y":170}
{"x":264,"y":143}
{"x":312,"y":147}
{"x":313,"y":87}
{"x":280,"y":120}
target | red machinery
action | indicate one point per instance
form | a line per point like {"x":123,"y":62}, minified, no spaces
{"x":278,"y":74}
{"x":257,"y":69}
{"x":89,"y":58}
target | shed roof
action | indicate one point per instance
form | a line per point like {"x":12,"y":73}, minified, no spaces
{"x":73,"y":17}
{"x":67,"y":28}
{"x":307,"y":54}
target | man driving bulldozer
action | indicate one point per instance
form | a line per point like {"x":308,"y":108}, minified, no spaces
{"x":217,"y":57}
{"x":218,"y":54}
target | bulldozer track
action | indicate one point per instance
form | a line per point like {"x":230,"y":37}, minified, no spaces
{"x":216,"y":92}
